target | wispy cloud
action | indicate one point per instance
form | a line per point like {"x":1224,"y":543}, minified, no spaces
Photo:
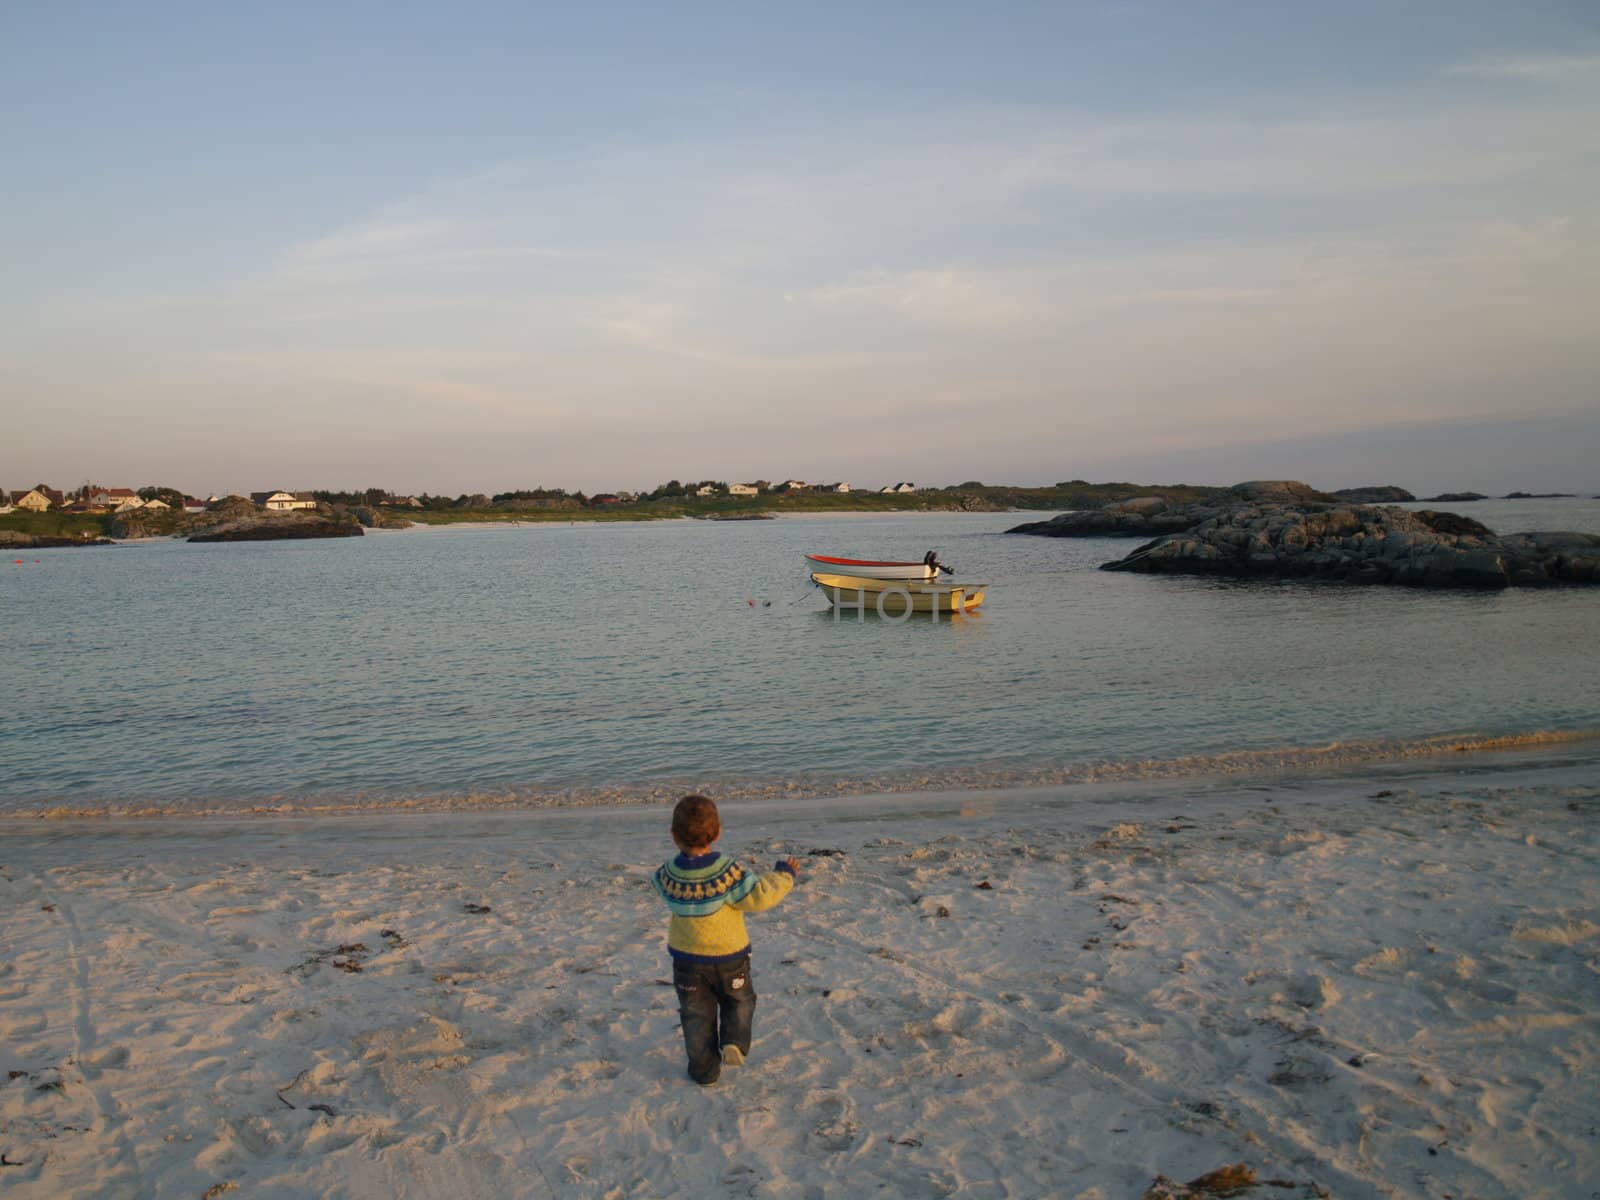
{"x":1548,"y":68}
{"x":1062,"y":274}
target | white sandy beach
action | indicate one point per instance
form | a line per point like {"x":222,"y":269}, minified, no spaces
{"x":1354,"y":993}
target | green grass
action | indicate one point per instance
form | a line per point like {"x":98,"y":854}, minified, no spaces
{"x":54,"y":524}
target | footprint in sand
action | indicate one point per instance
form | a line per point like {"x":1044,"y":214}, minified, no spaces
{"x":1566,"y":933}
{"x":112,"y":1058}
{"x":1386,"y":959}
{"x":838,"y":1129}
{"x":583,"y":1072}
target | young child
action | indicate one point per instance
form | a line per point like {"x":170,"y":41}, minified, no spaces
{"x":708,"y":894}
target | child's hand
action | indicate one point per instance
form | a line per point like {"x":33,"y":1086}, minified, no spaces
{"x":793,"y":864}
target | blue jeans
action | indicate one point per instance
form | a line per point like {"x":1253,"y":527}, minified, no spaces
{"x":716,"y":1002}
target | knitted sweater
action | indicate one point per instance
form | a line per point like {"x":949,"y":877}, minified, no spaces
{"x":708,"y":896}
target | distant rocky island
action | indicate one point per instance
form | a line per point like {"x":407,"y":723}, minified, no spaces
{"x":278,"y":527}
{"x":10,"y":539}
{"x":1287,"y":530}
{"x":237,"y":519}
{"x":1374,"y":495}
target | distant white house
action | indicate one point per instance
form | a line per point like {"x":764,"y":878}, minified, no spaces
{"x":898,"y":488}
{"x":191,"y":505}
{"x":156,"y":504}
{"x":741,"y":489}
{"x":705,"y":490}
{"x":117,"y":498}
{"x":793,"y":485}
{"x":839,"y":487}
{"x":284,"y":501}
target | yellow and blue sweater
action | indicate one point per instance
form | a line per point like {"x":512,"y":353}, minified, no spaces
{"x":708,"y":896}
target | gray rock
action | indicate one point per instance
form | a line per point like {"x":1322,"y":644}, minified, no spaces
{"x":1368,"y":545}
{"x":1143,"y":505}
{"x":1445,"y":522}
{"x":1556,"y":540}
{"x":1284,"y":529}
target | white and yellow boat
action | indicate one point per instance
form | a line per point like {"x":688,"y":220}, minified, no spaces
{"x":877,"y":568}
{"x":893,"y":597}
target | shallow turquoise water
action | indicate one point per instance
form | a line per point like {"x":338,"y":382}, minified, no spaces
{"x":531,"y":659}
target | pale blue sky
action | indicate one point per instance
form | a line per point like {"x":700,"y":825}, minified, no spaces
{"x":494,"y":246}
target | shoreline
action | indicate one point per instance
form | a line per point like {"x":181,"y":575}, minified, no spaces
{"x":1480,"y":752}
{"x":776,"y":515}
{"x":1359,"y":990}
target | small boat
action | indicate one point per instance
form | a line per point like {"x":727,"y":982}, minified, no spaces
{"x":891,"y":597}
{"x":872,"y":568}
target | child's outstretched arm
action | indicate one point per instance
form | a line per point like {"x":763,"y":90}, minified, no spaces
{"x":769,"y":889}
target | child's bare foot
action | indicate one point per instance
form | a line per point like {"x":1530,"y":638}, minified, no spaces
{"x":732,"y":1056}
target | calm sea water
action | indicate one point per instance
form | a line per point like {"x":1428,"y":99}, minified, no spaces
{"x":613,"y":659}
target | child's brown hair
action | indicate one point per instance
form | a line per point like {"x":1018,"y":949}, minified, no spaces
{"x":695,"y":823}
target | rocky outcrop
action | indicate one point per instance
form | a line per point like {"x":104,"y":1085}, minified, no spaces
{"x":1374,"y":495}
{"x":139,"y":523}
{"x":969,"y":502}
{"x":1539,"y":495}
{"x":264,"y":527}
{"x":1146,"y":515}
{"x":1362,"y":544}
{"x":1453,"y":523}
{"x":1139,"y":517}
{"x":1566,"y":557}
{"x":1278,"y":491}
{"x":11,"y":539}
{"x":378,"y":518}
{"x":1286,"y":530}
{"x":1456,"y":497}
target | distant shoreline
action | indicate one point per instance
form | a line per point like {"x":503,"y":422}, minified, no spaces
{"x":782,"y":516}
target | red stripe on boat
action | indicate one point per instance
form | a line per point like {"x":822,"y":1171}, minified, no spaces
{"x":862,"y":562}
